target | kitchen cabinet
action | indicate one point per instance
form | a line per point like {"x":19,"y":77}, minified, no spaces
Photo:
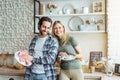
{"x":6,"y":77}
{"x":7,"y":73}
{"x":88,"y":16}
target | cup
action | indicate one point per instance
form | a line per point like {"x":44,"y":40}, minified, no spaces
{"x":85,"y":68}
{"x":92,"y":69}
{"x":109,"y":73}
{"x":80,"y":27}
{"x":75,"y":11}
{"x":85,"y":10}
{"x":60,"y":12}
{"x":67,"y":11}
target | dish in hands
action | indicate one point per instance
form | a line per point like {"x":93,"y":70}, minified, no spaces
{"x":18,"y":58}
{"x":68,"y":58}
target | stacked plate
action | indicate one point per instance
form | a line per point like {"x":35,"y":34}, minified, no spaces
{"x":18,"y":59}
{"x":68,"y":58}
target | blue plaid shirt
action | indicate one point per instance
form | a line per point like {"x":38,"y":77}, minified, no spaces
{"x":50,"y":51}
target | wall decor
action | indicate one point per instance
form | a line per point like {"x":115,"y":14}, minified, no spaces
{"x":94,"y":57}
{"x":98,"y":6}
{"x":37,"y":11}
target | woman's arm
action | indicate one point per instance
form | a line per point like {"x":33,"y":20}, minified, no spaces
{"x":79,"y":54}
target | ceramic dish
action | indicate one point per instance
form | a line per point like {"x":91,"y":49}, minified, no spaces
{"x":74,"y":22}
{"x":68,"y":58}
{"x":68,"y":9}
{"x":17,"y":58}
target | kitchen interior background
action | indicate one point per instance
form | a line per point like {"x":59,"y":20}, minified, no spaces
{"x":17,"y":30}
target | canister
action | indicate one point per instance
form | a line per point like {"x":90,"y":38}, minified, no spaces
{"x":85,"y":10}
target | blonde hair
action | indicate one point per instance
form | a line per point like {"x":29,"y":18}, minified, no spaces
{"x":65,"y":36}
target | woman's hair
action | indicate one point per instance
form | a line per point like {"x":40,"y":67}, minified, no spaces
{"x":65,"y":36}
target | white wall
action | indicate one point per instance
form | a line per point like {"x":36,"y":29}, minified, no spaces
{"x":114,"y":30}
{"x":92,"y":42}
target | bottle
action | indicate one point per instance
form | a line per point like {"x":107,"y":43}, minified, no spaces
{"x":98,"y":27}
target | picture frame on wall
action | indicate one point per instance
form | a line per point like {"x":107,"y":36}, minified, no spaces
{"x":36,"y":12}
{"x":98,"y":6}
{"x":94,"y":57}
{"x":36,"y":7}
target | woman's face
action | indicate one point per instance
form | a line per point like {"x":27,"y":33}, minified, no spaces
{"x":58,"y":30}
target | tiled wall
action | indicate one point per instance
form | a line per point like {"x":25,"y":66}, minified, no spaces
{"x":16,"y":24}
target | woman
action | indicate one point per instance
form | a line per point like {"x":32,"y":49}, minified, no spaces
{"x":72,"y":69}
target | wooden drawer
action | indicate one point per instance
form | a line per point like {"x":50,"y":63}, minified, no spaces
{"x":4,"y":77}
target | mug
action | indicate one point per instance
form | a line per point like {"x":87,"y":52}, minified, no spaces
{"x":80,"y":27}
{"x":85,"y":10}
{"x":60,"y":12}
{"x":67,"y":11}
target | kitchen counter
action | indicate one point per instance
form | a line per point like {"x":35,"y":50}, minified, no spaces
{"x":88,"y":76}
{"x":96,"y":76}
{"x":100,"y":76}
{"x":11,"y":71}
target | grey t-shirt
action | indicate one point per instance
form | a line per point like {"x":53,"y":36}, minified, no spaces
{"x":69,"y":49}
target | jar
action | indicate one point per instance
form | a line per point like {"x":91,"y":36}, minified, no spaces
{"x":85,"y":10}
{"x":42,"y":9}
{"x":92,"y":69}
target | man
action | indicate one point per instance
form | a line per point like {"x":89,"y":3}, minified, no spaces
{"x":43,"y":51}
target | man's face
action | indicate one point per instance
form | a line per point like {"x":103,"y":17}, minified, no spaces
{"x":45,"y":28}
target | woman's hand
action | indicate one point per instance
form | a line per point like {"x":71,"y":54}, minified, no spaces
{"x":78,"y":56}
{"x":63,"y":54}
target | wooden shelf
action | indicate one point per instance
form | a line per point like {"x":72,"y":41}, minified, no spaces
{"x":61,"y":15}
{"x":77,"y":32}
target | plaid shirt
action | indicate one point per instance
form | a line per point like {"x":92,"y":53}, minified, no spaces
{"x":50,"y":50}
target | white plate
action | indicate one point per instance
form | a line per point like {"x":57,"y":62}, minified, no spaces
{"x":17,"y":58}
{"x":74,"y":22}
{"x":68,"y":58}
{"x":68,"y":9}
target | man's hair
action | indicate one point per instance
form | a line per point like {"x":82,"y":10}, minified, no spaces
{"x":44,"y":19}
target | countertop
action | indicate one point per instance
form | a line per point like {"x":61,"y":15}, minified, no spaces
{"x":101,"y":76}
{"x":11,"y":71}
{"x":96,"y":75}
